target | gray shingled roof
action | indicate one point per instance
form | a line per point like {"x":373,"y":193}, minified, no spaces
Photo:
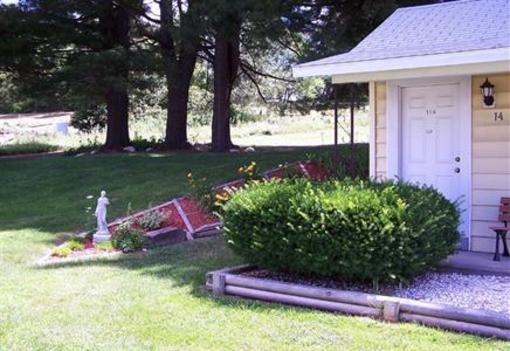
{"x":449,"y":27}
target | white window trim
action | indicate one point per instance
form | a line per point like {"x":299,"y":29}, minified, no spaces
{"x":394,"y":130}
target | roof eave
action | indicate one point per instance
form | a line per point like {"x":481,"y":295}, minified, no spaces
{"x":359,"y":71}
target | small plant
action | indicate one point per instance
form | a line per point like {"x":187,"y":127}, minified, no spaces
{"x":200,"y":190}
{"x":127,"y":238}
{"x":64,"y":250}
{"x":75,"y":244}
{"x":104,"y":246}
{"x":129,"y":209}
{"x":61,"y":251}
{"x":331,"y":163}
{"x":290,"y":171}
{"x":152,"y":220}
{"x":250,"y":172}
{"x":340,"y":165}
{"x":222,"y":198}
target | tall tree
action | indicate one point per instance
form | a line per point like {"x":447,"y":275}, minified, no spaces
{"x":82,"y":48}
{"x":226,"y":66}
{"x":180,"y":42}
{"x":239,"y":27}
{"x":114,"y":26}
{"x":178,"y":32}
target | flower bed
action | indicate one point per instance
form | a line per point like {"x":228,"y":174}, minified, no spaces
{"x":181,"y":214}
{"x":69,"y":251}
{"x":177,"y":220}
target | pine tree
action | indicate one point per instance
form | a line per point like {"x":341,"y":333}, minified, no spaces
{"x":82,"y":49}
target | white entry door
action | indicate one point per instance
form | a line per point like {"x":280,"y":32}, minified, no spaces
{"x":431,"y":138}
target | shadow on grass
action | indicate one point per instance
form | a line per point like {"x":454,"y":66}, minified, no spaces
{"x":186,"y":265}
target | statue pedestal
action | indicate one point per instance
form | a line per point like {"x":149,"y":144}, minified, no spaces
{"x":98,"y":237}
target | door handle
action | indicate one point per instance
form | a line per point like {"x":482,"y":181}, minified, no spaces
{"x":457,"y":170}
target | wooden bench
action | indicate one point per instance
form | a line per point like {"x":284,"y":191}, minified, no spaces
{"x":503,"y":216}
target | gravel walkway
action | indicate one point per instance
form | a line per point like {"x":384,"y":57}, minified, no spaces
{"x":484,"y":292}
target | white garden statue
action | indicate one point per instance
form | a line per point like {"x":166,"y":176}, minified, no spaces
{"x":102,"y":233}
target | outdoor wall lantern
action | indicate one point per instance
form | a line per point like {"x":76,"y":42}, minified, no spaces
{"x":487,"y":93}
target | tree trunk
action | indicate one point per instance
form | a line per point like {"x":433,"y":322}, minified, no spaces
{"x":176,"y":136}
{"x":178,"y":78}
{"x":115,"y":30}
{"x":117,"y":130}
{"x":179,"y":66}
{"x":226,"y":65}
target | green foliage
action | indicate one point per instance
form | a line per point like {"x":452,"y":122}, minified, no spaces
{"x":290,"y":171}
{"x":104,"y":246}
{"x":151,"y":220}
{"x":61,"y":251}
{"x":87,"y":118}
{"x":171,"y":274}
{"x":75,"y":244}
{"x":348,"y":164}
{"x":64,"y":250}
{"x":128,"y":238}
{"x":32,"y":147}
{"x":141,"y":144}
{"x":200,"y":189}
{"x":250,"y":172}
{"x":351,"y":229}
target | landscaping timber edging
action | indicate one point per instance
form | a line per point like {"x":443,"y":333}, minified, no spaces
{"x":388,"y":308}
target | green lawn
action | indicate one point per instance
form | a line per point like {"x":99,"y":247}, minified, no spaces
{"x":155,"y":300}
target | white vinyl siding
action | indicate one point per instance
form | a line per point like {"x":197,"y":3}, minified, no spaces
{"x":491,"y":159}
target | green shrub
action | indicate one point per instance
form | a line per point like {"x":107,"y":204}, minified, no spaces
{"x":127,"y":238}
{"x":141,"y":144}
{"x":350,"y":229}
{"x":151,"y":220}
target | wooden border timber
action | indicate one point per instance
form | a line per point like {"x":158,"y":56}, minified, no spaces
{"x":388,"y":308}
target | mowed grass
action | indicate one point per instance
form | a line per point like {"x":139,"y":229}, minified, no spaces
{"x":31,"y":147}
{"x":152,"y":301}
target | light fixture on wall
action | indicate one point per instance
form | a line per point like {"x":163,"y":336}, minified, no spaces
{"x":488,"y":94}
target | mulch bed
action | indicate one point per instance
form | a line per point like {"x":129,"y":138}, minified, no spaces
{"x":329,"y":283}
{"x":186,"y":215}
